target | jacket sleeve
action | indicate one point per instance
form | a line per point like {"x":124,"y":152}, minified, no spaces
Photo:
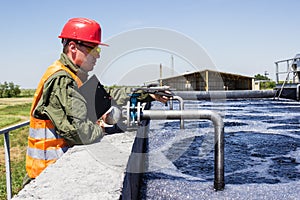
{"x":120,"y":96}
{"x":66,"y":108}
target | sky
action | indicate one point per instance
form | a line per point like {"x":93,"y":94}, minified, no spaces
{"x":243,"y":37}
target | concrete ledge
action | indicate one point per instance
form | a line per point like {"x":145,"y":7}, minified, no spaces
{"x":89,"y":172}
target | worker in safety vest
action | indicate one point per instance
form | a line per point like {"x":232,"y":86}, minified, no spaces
{"x":58,"y":116}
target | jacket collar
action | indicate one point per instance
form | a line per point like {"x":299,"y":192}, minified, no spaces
{"x":82,"y":75}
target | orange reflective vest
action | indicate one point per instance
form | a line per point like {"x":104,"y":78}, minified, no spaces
{"x":45,"y":146}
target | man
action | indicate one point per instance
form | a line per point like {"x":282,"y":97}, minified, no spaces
{"x":58,"y":116}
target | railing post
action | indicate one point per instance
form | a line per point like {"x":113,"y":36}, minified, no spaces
{"x":5,"y":132}
{"x":7,"y":165}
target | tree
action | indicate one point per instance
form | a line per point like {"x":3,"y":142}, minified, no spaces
{"x":265,"y":82}
{"x":259,"y":77}
{"x":9,"y":90}
{"x":14,"y":89}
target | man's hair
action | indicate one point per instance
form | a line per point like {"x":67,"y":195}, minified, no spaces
{"x":65,"y":43}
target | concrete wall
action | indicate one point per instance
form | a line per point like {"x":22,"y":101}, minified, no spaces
{"x":93,"y":171}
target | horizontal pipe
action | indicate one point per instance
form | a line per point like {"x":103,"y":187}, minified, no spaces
{"x":219,"y":182}
{"x":185,"y":114}
{"x":232,"y":94}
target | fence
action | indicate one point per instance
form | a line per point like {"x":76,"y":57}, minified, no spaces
{"x":6,"y":131}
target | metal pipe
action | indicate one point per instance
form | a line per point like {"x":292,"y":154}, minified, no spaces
{"x":181,"y":107}
{"x":297,"y":91}
{"x":234,"y":94}
{"x":219,"y":182}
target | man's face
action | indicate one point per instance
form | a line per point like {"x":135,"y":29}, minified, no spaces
{"x":87,"y":55}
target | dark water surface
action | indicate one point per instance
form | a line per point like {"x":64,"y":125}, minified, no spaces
{"x":262,"y":146}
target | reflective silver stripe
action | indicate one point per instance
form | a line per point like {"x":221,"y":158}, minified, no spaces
{"x":46,"y":154}
{"x":43,"y":133}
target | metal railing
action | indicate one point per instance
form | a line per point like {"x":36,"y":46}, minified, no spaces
{"x":6,"y":131}
{"x":289,"y":68}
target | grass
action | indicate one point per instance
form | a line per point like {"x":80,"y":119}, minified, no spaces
{"x":13,"y":111}
{"x":4,"y":121}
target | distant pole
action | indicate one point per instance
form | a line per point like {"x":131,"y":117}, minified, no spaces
{"x":206,"y":81}
{"x":266,"y":73}
{"x":160,"y":75}
{"x":172,"y":64}
{"x":277,"y":73}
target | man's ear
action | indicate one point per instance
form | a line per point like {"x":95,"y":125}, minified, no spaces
{"x":72,"y":47}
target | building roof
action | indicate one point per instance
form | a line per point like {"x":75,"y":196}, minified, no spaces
{"x":222,"y":73}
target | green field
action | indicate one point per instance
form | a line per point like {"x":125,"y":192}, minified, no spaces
{"x":14,"y":111}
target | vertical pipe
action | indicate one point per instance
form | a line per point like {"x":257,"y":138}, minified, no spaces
{"x":181,"y":107}
{"x":171,"y":104}
{"x":219,"y":180}
{"x":297,"y":92}
{"x":7,"y":165}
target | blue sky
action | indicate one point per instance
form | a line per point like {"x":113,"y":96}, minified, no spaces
{"x":240,"y":36}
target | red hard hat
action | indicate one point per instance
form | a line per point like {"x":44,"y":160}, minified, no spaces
{"x":82,"y":29}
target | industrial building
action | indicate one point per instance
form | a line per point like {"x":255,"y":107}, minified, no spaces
{"x":208,"y":80}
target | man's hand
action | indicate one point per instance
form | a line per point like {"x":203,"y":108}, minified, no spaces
{"x":160,"y":97}
{"x":111,"y":117}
